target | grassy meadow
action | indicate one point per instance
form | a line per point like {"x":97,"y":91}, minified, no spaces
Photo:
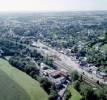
{"x":16,"y":85}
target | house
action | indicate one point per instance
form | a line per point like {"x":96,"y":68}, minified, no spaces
{"x":101,"y":75}
{"x":94,"y":72}
{"x":42,"y":65}
{"x":105,"y":79}
{"x":93,"y":68}
{"x":86,"y":68}
{"x":57,"y":77}
{"x":83,"y":63}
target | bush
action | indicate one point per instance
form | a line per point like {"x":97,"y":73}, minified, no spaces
{"x":67,"y":95}
{"x":74,"y":75}
{"x":77,"y":85}
{"x":45,"y":84}
{"x":100,"y":94}
{"x":53,"y":95}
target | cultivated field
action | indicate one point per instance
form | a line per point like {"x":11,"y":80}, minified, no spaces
{"x":16,"y":85}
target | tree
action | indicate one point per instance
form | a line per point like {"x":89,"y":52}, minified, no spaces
{"x":67,"y":95}
{"x":77,"y":85}
{"x":48,"y":61}
{"x":81,"y":78}
{"x":100,"y":95}
{"x":46,"y":84}
{"x":74,"y":75}
{"x":53,"y":95}
{"x":74,"y":49}
{"x":87,"y":92}
{"x":105,"y":35}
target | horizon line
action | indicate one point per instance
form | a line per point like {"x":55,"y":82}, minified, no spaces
{"x":45,"y":11}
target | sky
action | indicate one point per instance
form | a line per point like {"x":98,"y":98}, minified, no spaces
{"x":52,"y":5}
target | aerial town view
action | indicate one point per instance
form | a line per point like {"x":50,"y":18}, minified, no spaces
{"x":53,"y":49}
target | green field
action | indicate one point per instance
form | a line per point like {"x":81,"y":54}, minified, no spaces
{"x":75,"y":94}
{"x":16,"y":85}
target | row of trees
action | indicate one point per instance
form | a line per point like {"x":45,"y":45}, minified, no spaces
{"x":25,"y":65}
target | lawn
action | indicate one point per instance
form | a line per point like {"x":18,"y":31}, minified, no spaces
{"x":16,"y":85}
{"x":104,"y":47}
{"x":75,"y":94}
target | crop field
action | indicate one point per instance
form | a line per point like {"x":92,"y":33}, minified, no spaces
{"x":16,"y":85}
